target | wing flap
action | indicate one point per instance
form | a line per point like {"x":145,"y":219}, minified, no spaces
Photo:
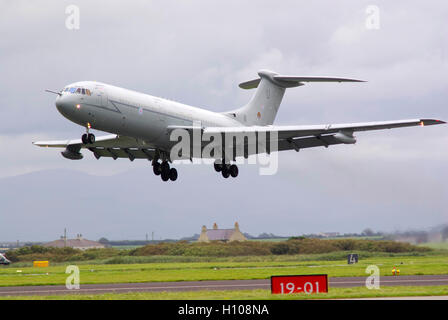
{"x":130,"y":153}
{"x":285,"y":132}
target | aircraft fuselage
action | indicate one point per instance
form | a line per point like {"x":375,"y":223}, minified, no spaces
{"x":130,"y":113}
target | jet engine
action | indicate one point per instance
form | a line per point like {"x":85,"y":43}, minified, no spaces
{"x":72,"y":153}
{"x":345,"y":137}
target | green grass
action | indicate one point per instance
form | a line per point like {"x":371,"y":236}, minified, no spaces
{"x":226,"y":269}
{"x":435,"y":245}
{"x":334,"y":293}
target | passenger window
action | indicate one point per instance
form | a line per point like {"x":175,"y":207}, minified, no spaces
{"x":78,"y":90}
{"x":72,"y":90}
{"x":88,"y":92}
{"x":83,"y":91}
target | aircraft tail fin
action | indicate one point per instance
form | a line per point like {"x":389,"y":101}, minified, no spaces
{"x":262,"y":108}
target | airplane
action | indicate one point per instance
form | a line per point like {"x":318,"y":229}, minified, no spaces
{"x":141,"y":124}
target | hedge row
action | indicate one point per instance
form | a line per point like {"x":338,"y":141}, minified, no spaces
{"x":294,"y":246}
{"x":215,"y":249}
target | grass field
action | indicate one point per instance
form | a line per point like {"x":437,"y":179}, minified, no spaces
{"x":224,"y":269}
{"x":334,"y":293}
{"x":435,"y":245}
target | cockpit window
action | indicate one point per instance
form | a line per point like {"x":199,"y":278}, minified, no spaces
{"x":78,"y":90}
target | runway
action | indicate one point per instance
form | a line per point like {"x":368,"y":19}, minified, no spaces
{"x":334,"y":282}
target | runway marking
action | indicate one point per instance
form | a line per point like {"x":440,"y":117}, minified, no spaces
{"x":137,"y":288}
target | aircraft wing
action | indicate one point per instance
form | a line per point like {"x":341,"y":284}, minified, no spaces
{"x":113,"y":146}
{"x":298,"y":137}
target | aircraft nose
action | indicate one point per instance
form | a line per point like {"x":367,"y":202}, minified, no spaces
{"x":59,"y":103}
{"x":62,"y":105}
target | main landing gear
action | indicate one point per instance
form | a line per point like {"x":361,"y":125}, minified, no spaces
{"x":163,"y":169}
{"x":226,"y":170}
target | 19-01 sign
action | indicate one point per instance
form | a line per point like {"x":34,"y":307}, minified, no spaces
{"x":316,"y":283}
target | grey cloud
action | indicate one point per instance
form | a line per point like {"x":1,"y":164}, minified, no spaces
{"x":197,"y":53}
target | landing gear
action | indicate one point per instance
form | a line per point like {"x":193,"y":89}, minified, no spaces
{"x":164,"y":171}
{"x":88,"y":138}
{"x":226,"y":170}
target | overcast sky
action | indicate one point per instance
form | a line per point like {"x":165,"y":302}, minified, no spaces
{"x":197,"y":52}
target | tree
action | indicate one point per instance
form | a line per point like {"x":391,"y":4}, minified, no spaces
{"x":368,"y":232}
{"x":103,"y":241}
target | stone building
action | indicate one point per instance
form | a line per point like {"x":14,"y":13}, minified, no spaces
{"x":225,"y":235}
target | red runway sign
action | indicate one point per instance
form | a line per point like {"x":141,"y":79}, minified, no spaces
{"x":309,"y":284}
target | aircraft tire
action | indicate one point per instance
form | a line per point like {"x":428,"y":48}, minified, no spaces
{"x":225,"y":172}
{"x":165,"y":176}
{"x":165,"y":166}
{"x":173,"y":174}
{"x":233,"y":170}
{"x":84,"y":139}
{"x":218,"y":167}
{"x":91,"y":138}
{"x":156,"y":168}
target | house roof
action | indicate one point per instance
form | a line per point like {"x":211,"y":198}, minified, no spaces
{"x":219,"y":234}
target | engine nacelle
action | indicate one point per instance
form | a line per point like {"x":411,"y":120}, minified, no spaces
{"x":71,"y":154}
{"x":345,"y":137}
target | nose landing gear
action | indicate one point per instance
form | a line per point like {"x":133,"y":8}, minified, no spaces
{"x":88,"y":138}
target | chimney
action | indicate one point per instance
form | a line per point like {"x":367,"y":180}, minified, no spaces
{"x":215,"y":226}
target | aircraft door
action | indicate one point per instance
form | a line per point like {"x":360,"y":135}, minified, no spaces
{"x":101,"y":96}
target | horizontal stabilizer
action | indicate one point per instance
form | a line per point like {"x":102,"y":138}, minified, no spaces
{"x":290,"y":81}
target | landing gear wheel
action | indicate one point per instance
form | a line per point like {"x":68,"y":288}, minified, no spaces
{"x":233,"y":171}
{"x":165,"y":176}
{"x":91,"y":138}
{"x":165,"y":167}
{"x":156,"y":168}
{"x":165,"y":170}
{"x":84,"y":138}
{"x":218,"y":167}
{"x":173,"y":174}
{"x":225,"y":171}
